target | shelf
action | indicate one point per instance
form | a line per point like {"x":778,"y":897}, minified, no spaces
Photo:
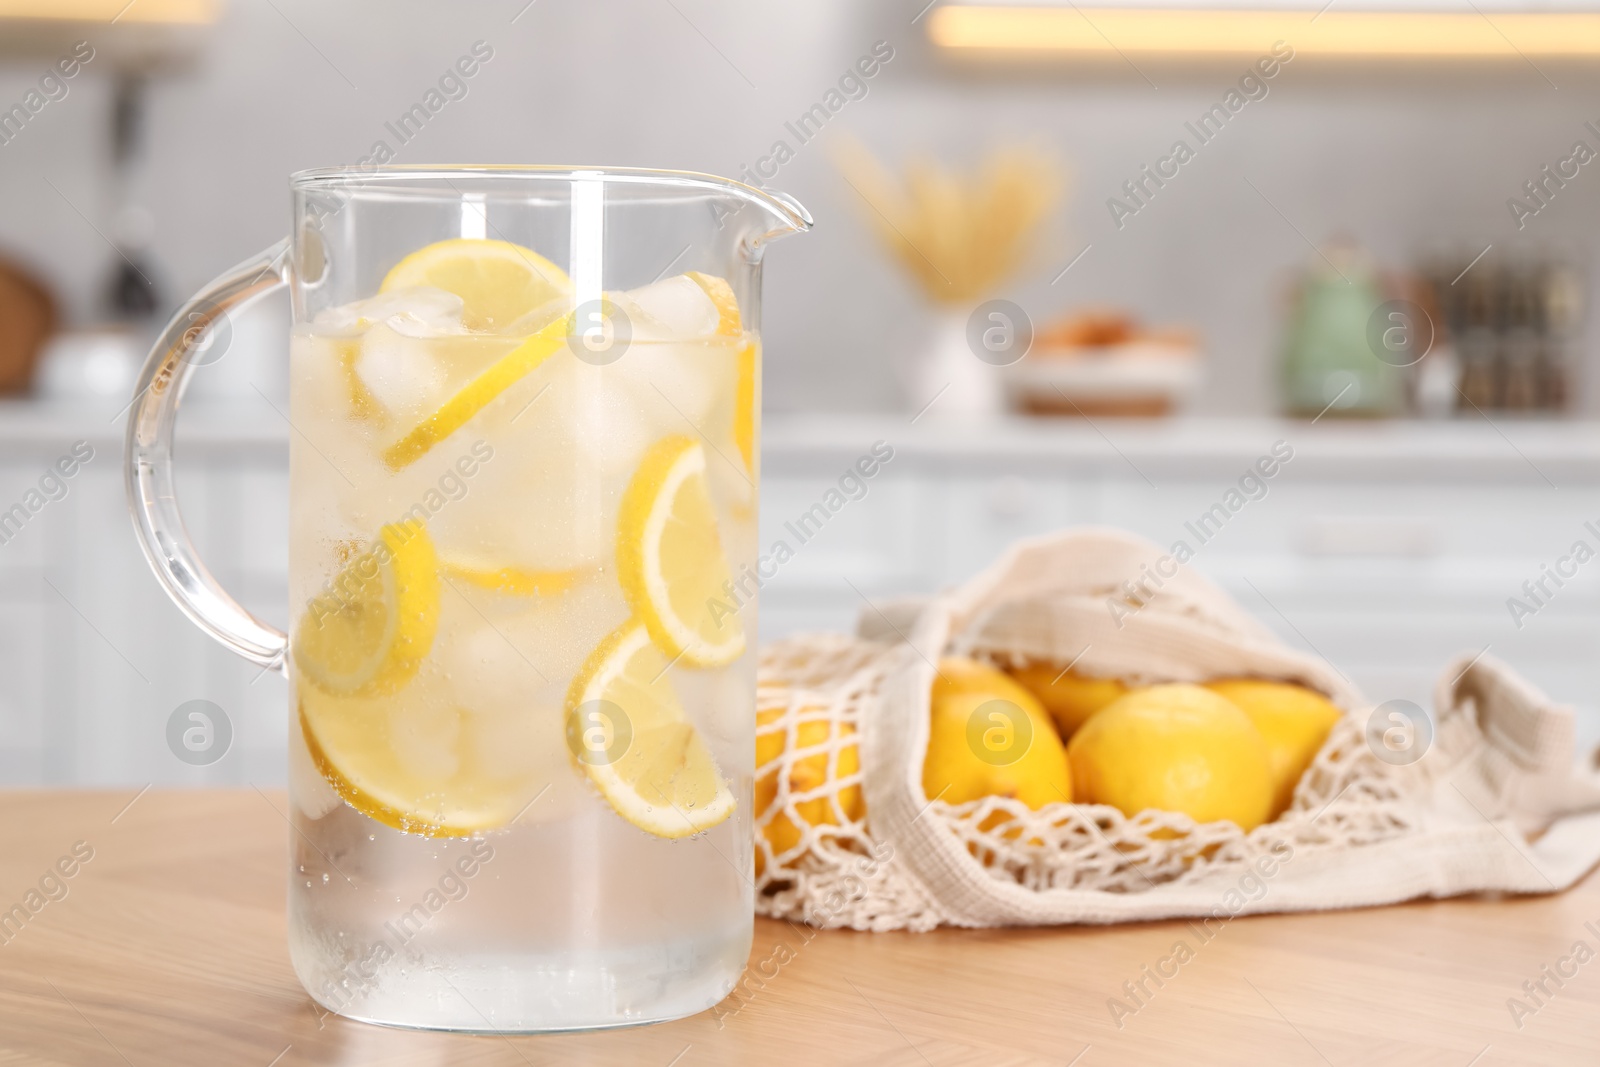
{"x":143,"y":34}
{"x":169,"y":12}
{"x":1175,"y":28}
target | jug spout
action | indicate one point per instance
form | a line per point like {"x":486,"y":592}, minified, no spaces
{"x":764,"y":213}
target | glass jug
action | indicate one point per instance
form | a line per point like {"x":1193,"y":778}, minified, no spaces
{"x":521,"y":661}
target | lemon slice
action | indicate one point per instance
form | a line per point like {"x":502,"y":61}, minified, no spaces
{"x":729,"y":323}
{"x":746,"y":399}
{"x":628,"y":733}
{"x":747,"y":403}
{"x":517,"y":581}
{"x":669,"y":557}
{"x":497,"y":281}
{"x":363,"y":405}
{"x":370,"y":629}
{"x":414,"y":762}
{"x":477,"y":395}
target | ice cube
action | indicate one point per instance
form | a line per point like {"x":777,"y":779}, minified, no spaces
{"x":505,"y":663}
{"x":529,"y":747}
{"x":538,"y":318}
{"x":399,"y":369}
{"x":732,"y":488}
{"x":432,"y":308}
{"x":504,"y":652}
{"x":566,"y":628}
{"x":680,"y":383}
{"x":673,"y":309}
{"x":423,"y":737}
{"x":547,"y":500}
{"x":600,"y":417}
{"x":480,"y":664}
{"x":308,"y":789}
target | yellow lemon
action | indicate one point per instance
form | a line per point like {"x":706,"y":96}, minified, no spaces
{"x":628,"y":733}
{"x":806,"y":774}
{"x":363,"y":405}
{"x":477,"y":394}
{"x":747,"y":403}
{"x":988,"y":736}
{"x":1069,"y":697}
{"x":371,"y":627}
{"x":729,"y":322}
{"x":514,"y":581}
{"x":747,"y":396}
{"x":1174,"y":748}
{"x":1294,"y":720}
{"x":418,"y":762}
{"x":392,"y":747}
{"x":498,"y":282}
{"x":669,"y":557}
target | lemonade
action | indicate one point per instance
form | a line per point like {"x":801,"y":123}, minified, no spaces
{"x":523,"y":693}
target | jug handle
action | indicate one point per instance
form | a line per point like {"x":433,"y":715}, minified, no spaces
{"x":147,"y":461}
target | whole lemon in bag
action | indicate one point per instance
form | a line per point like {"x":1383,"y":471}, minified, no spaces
{"x":805,"y":775}
{"x":1174,"y":748}
{"x":988,"y":736}
{"x":1294,"y":721}
{"x":1068,"y":696}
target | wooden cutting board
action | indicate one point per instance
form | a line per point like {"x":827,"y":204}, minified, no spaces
{"x":27,"y":318}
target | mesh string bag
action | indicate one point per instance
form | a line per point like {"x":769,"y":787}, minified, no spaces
{"x":1490,"y":799}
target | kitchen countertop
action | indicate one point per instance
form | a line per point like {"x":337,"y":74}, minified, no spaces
{"x":169,"y":949}
{"x":1538,"y":451}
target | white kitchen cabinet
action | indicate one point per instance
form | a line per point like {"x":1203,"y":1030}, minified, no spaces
{"x":95,"y":655}
{"x":1386,"y":548}
{"x":25,"y":728}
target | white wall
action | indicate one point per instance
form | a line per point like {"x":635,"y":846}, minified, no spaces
{"x":1404,"y":156}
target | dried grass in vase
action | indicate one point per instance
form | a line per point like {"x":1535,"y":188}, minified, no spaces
{"x":960,"y":235}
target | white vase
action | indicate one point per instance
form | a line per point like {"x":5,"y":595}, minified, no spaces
{"x":944,"y":379}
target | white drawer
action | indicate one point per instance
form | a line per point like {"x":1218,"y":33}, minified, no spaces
{"x":25,"y":726}
{"x":888,"y":541}
{"x":984,"y":516}
{"x":1331,"y":519}
{"x":29,"y":509}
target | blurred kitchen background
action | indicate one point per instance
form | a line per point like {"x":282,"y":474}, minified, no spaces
{"x":1377,"y":249}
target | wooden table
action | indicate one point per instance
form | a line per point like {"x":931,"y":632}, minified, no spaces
{"x":168,"y":949}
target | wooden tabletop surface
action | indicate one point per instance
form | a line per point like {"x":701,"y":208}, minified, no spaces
{"x":168,"y":949}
